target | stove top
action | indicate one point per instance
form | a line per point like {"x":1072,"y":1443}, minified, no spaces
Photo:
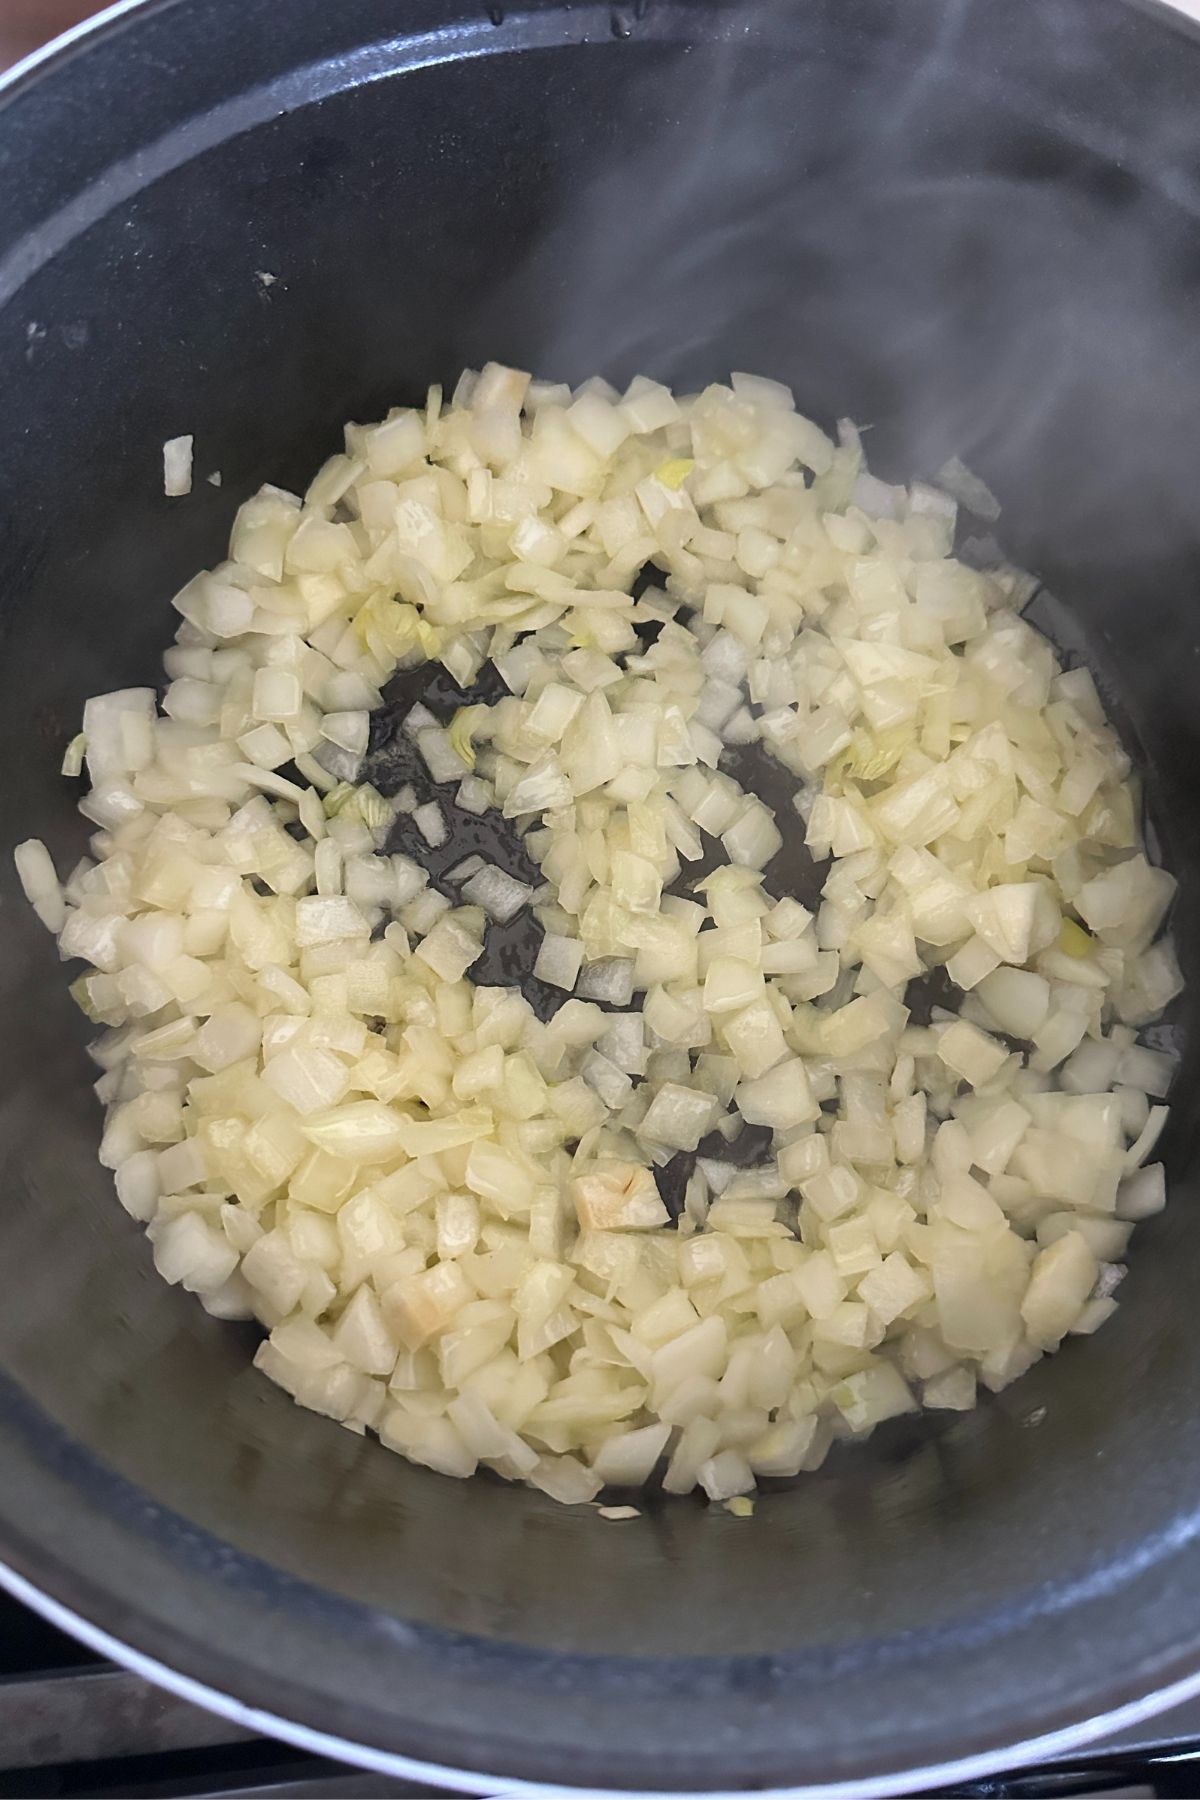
{"x":72,"y":1724}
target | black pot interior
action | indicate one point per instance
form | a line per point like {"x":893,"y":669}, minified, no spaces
{"x":970,"y":224}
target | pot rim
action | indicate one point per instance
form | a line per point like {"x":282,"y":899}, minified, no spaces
{"x":1050,"y":1746}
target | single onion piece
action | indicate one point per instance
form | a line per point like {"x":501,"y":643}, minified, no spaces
{"x":177,"y":466}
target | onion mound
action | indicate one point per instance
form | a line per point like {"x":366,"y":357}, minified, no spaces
{"x":448,"y":1211}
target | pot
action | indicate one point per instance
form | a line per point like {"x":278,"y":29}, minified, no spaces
{"x":973,"y":224}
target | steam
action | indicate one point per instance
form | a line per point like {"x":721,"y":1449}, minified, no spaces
{"x":971,"y":226}
{"x":904,"y":220}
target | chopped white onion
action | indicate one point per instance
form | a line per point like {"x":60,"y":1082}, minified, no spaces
{"x":444,"y":1209}
{"x":431,"y":823}
{"x":500,"y":895}
{"x":177,"y":466}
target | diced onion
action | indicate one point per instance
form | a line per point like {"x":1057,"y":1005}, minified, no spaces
{"x":177,"y":466}
{"x":446,"y":1208}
